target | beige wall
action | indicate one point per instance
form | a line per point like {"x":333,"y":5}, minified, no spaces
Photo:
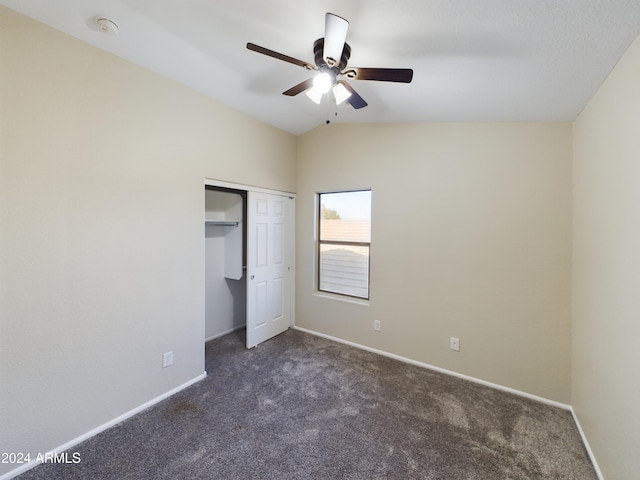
{"x":102,"y":168}
{"x":606,"y":277}
{"x":471,"y":237}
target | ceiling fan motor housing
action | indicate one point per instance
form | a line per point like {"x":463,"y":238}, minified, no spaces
{"x":318,"y":49}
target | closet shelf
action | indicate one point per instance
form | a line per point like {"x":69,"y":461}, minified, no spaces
{"x":222,"y":223}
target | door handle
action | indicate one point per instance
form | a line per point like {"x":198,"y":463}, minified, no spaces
{"x":252,"y":277}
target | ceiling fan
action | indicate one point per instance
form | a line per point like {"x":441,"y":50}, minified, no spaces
{"x":331,"y":55}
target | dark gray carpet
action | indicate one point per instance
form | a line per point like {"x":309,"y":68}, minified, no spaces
{"x":302,"y":407}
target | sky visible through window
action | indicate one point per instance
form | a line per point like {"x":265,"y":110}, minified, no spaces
{"x":349,"y":205}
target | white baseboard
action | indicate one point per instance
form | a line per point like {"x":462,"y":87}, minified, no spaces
{"x":596,"y":467}
{"x":222,"y":334}
{"x":520,"y":393}
{"x":72,"y":443}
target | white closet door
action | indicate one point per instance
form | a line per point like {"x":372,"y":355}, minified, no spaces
{"x":268,"y":262}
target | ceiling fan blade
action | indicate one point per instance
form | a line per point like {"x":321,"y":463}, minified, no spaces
{"x":299,"y":88}
{"x":402,"y":75}
{"x":355,"y":100}
{"x":270,"y":53}
{"x":335,"y":34}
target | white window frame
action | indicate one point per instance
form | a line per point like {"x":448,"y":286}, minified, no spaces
{"x":319,"y":243}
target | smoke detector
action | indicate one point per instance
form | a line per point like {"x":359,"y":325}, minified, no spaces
{"x":106,"y":26}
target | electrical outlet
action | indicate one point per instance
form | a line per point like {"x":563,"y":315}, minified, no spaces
{"x":455,"y":344}
{"x":377,"y":326}
{"x":167,"y":359}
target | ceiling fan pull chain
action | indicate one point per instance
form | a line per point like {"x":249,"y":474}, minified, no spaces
{"x":327,"y":100}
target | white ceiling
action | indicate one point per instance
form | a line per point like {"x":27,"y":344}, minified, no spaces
{"x":473,"y":60}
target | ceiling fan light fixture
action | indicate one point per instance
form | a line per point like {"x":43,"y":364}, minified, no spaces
{"x":322,"y":82}
{"x":314,"y":95}
{"x":340,"y":93}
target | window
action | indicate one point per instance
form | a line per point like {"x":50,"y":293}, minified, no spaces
{"x":344,"y":241}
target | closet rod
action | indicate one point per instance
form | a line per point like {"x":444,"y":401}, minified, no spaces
{"x":222,"y":223}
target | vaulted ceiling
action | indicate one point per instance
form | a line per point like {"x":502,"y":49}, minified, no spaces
{"x":473,"y":60}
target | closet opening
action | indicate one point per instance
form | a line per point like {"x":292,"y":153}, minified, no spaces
{"x":225,"y":261}
{"x":249,"y":261}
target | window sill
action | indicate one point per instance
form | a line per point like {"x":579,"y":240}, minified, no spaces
{"x":342,"y":298}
